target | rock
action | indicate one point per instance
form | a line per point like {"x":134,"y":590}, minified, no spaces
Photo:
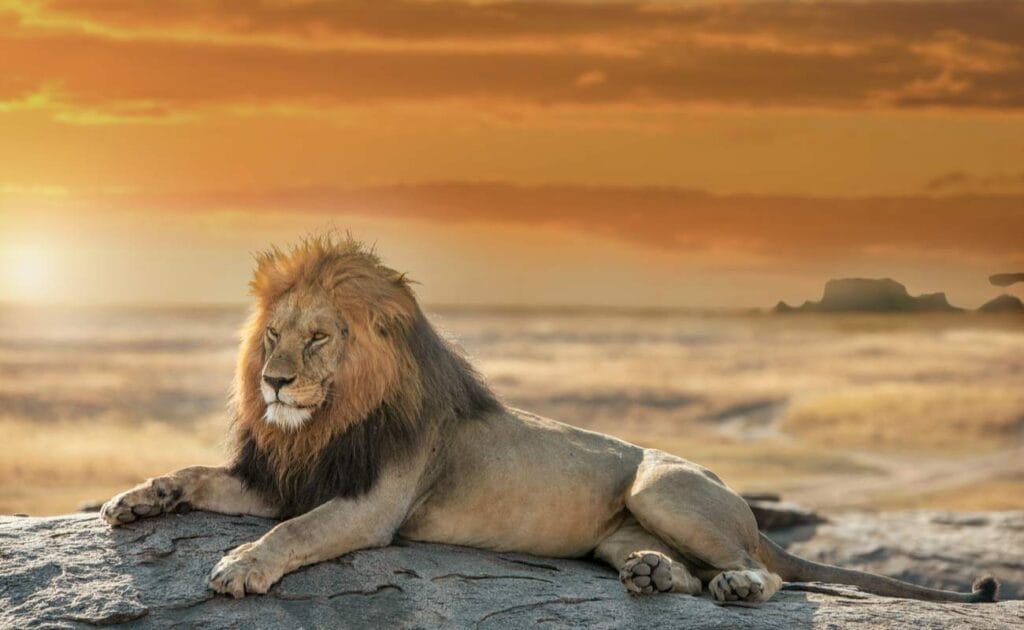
{"x":1006,"y":279}
{"x":868,"y":295}
{"x":939,"y":549}
{"x":773,"y":514}
{"x":1003,"y":304}
{"x":74,"y":571}
{"x":933,"y":303}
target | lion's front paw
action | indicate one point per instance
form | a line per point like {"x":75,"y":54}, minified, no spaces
{"x":152,"y":498}
{"x":243,"y":571}
{"x":750,"y":585}
{"x":647,"y":572}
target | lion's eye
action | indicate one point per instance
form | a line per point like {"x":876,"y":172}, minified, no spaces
{"x":271,"y":333}
{"x":319,"y":336}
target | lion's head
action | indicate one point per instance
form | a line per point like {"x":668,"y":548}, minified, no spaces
{"x":325,"y":337}
{"x":337,"y":352}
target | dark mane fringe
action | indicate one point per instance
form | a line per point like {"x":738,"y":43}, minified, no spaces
{"x":350,"y":465}
{"x":452,"y":388}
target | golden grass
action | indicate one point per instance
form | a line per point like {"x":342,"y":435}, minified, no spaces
{"x":757,"y":466}
{"x":906,"y":417}
{"x":51,"y":468}
{"x":863,"y":398}
{"x":1003,"y":493}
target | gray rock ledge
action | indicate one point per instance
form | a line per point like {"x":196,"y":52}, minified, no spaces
{"x":74,"y":571}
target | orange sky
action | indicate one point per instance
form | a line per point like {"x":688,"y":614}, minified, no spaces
{"x":652,"y":154}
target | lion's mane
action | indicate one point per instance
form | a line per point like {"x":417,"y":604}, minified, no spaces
{"x":397,"y":386}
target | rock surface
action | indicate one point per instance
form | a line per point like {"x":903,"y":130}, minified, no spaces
{"x":938,"y":549}
{"x":74,"y":571}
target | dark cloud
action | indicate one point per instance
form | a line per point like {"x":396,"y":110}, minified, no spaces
{"x":403,"y":19}
{"x":842,"y":55}
{"x":825,"y":22}
{"x":1006,"y":279}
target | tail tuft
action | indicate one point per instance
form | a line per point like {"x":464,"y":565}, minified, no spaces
{"x":985,"y":589}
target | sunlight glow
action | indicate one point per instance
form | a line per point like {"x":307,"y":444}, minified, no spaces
{"x":28,"y":271}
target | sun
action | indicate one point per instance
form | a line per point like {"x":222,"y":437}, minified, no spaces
{"x":27,"y":271}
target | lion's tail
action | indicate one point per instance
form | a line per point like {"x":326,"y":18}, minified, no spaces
{"x":795,"y":569}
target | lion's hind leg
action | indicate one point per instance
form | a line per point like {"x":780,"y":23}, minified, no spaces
{"x":711,"y":526}
{"x":646,"y":565}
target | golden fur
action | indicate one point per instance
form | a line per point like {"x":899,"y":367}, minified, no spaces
{"x":380,"y":308}
{"x":405,"y":439}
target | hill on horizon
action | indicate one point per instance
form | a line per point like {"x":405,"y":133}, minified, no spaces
{"x":871,"y":295}
{"x":885,"y":295}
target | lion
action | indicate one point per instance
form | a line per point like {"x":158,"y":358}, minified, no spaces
{"x":355,"y":422}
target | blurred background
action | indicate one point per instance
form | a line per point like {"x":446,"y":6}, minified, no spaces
{"x":602,"y":203}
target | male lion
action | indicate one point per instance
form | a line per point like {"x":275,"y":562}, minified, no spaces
{"x":356,"y":422}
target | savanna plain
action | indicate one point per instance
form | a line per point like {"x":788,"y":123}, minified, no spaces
{"x":834,"y":412}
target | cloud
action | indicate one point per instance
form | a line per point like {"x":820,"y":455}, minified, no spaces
{"x":747,"y":227}
{"x":321,"y":21}
{"x":173,"y":55}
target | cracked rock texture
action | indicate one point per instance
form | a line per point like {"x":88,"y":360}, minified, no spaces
{"x":939,"y":549}
{"x":74,"y":571}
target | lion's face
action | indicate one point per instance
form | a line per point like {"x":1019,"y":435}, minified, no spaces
{"x":325,"y":346}
{"x":303,"y":344}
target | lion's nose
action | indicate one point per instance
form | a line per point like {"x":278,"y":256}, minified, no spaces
{"x":277,"y":382}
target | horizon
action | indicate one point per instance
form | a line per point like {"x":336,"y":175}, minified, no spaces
{"x":37,"y":277}
{"x":510,"y":307}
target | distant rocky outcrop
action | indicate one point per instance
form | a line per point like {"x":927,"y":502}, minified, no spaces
{"x":75,"y":572}
{"x":1003,"y":304}
{"x":870,"y":295}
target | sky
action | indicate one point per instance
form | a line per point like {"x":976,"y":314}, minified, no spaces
{"x":656,"y":154}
